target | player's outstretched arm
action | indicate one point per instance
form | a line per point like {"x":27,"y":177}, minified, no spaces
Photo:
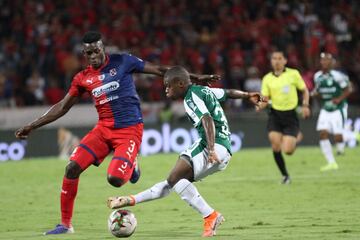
{"x":55,"y":112}
{"x":209,"y":127}
{"x":254,"y":97}
{"x":159,"y":70}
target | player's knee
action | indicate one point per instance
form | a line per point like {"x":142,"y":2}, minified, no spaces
{"x":73,"y":170}
{"x":115,"y":181}
{"x":323,"y":135}
{"x":289,"y":151}
{"x":172,"y":180}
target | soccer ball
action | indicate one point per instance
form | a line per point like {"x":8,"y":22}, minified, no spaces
{"x":122,"y":223}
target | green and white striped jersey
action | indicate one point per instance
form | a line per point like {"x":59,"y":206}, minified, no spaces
{"x":201,"y":100}
{"x":331,"y":85}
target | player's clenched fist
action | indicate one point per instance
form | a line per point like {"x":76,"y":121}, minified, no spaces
{"x":23,"y":132}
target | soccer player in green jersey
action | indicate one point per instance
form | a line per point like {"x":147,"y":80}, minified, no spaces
{"x":209,"y":154}
{"x":333,"y":87}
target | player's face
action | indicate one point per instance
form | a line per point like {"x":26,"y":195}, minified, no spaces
{"x":278,"y":61}
{"x":94,"y":53}
{"x":326,"y":63}
{"x":173,"y":89}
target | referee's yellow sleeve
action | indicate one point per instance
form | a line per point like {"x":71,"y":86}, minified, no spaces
{"x":299,"y":81}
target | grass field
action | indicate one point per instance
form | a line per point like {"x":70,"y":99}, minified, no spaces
{"x":315,"y":206}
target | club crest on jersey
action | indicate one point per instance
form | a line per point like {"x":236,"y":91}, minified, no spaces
{"x":206,"y":90}
{"x":106,"y":88}
{"x":112,"y":72}
{"x":101,"y":77}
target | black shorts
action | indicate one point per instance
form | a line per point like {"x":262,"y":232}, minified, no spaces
{"x":285,"y":122}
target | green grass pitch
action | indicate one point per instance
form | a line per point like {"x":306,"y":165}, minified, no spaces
{"x":315,"y":206}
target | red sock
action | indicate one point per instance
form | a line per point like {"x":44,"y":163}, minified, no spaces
{"x":67,"y":197}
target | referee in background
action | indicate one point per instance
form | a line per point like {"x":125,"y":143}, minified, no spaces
{"x":281,"y":86}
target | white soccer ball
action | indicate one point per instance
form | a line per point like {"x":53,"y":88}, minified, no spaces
{"x":122,"y":223}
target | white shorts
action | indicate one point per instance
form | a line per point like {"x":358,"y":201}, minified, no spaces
{"x":198,"y":159}
{"x":332,"y":122}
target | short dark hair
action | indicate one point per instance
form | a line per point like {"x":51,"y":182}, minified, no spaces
{"x":92,"y":36}
{"x":177,"y":73}
{"x":283,"y":52}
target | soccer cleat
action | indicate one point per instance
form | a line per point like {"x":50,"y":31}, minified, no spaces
{"x":286,"y":180}
{"x":60,"y":229}
{"x":136,"y":172}
{"x":120,"y":202}
{"x":211,"y":223}
{"x":329,"y":167}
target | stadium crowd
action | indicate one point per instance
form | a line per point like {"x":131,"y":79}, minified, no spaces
{"x":40,"y":42}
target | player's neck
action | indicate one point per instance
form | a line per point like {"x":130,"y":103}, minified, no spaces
{"x":278,"y":72}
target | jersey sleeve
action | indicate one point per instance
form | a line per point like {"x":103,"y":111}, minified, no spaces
{"x":76,"y":89}
{"x":219,"y":93}
{"x":196,"y":107}
{"x":265,"y":88}
{"x":343,"y":80}
{"x":299,"y":81}
{"x":133,"y":64}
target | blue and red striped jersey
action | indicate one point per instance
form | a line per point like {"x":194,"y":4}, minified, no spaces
{"x":112,"y":89}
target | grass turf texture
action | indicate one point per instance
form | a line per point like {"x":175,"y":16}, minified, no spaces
{"x":315,"y":206}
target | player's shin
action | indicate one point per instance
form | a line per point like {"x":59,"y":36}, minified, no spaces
{"x":159,"y":190}
{"x":188,"y":192}
{"x":67,"y":198}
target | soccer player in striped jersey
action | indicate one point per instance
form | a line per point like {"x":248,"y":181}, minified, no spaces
{"x":108,"y":79}
{"x":209,"y":154}
{"x":333,"y":87}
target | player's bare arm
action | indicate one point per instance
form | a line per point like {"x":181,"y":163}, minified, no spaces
{"x":346,"y":93}
{"x":254,"y":97}
{"x":56,"y":111}
{"x":305,"y":103}
{"x":209,"y":126}
{"x":160,"y":70}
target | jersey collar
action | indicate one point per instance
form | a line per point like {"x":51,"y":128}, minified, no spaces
{"x":273,"y":73}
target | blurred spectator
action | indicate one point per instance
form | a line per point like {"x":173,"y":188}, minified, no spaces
{"x":36,"y":85}
{"x":53,"y":92}
{"x":224,"y":37}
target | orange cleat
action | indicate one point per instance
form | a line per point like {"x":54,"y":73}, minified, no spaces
{"x":211,"y":223}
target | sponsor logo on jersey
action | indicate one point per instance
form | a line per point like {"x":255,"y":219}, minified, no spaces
{"x":89,"y":81}
{"x":108,"y":99}
{"x":104,"y":89}
{"x":112,"y":72}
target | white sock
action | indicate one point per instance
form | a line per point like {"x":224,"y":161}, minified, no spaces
{"x":340,"y":147}
{"x":159,"y":190}
{"x":326,"y":149}
{"x":190,"y":194}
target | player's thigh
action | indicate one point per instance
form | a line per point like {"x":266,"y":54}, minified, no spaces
{"x":91,"y":150}
{"x":182,"y":169}
{"x":337,"y":122}
{"x":198,"y":159}
{"x":289,"y":144}
{"x":275,"y":139}
{"x":324,"y":121}
{"x":122,"y":163}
